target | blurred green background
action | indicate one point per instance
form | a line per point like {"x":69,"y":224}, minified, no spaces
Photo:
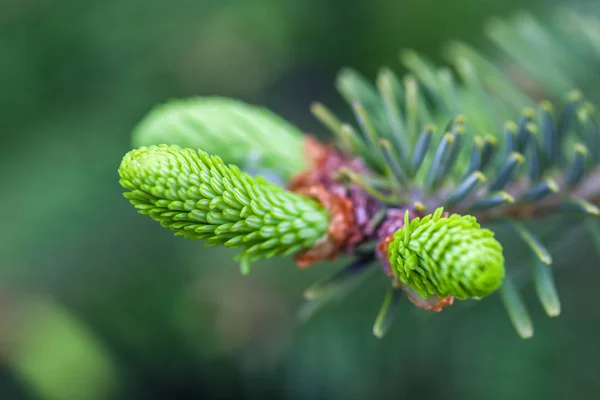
{"x":97,"y":302}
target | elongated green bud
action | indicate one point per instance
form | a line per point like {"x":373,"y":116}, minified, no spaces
{"x":197,"y":196}
{"x":237,"y":132}
{"x":447,"y":256}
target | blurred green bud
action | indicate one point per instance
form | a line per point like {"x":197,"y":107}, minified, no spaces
{"x":239,"y":133}
{"x":447,"y":256}
{"x":197,"y":196}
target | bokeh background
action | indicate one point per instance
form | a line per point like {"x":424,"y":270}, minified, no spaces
{"x":97,"y":302}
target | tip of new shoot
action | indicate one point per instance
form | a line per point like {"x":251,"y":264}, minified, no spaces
{"x":480,"y":176}
{"x":311,"y":294}
{"x":384,"y":80}
{"x":316,"y":107}
{"x":516,"y":309}
{"x":532,"y":128}
{"x":508,"y":198}
{"x":445,"y":74}
{"x":460,"y":129}
{"x":478,"y":141}
{"x":593,"y":210}
{"x":461,"y":119}
{"x":510,"y":126}
{"x":323,"y":114}
{"x":528,"y":112}
{"x":410,"y":82}
{"x":581,"y":149}
{"x":430,"y":128}
{"x":574,"y":95}
{"x":346,"y":73}
{"x":590,"y":208}
{"x":553,"y":311}
{"x":449,"y":137}
{"x":347,"y":128}
{"x":525,"y":332}
{"x":420,"y":207}
{"x":590,"y":107}
{"x":378,"y":332}
{"x":346,"y":172}
{"x":546,"y":106}
{"x":583,"y":115}
{"x":493,"y":25}
{"x":244,"y":266}
{"x":517,"y":157}
{"x":552,"y":185}
{"x":406,"y":55}
{"x":454,"y":48}
{"x":464,"y":65}
{"x":491,"y":140}
{"x":385,"y":71}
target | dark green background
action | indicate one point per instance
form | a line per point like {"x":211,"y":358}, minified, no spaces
{"x":97,"y":302}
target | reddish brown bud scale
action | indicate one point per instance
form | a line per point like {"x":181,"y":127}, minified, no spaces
{"x":342,"y":229}
{"x":318,"y":183}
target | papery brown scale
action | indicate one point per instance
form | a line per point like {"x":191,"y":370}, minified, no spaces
{"x":350,"y":208}
{"x":382,"y":253}
{"x":433,"y":303}
{"x":324,"y":164}
{"x":316,"y":154}
{"x":341,"y":231}
{"x":394,"y":221}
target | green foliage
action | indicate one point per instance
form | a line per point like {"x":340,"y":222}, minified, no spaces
{"x":198,"y":197}
{"x":412,"y":141}
{"x":450,"y":256}
{"x":239,"y":133}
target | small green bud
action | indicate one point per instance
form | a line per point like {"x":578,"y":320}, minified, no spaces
{"x":447,"y":256}
{"x":197,"y":196}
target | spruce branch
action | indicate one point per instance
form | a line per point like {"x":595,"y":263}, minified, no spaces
{"x":472,"y":139}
